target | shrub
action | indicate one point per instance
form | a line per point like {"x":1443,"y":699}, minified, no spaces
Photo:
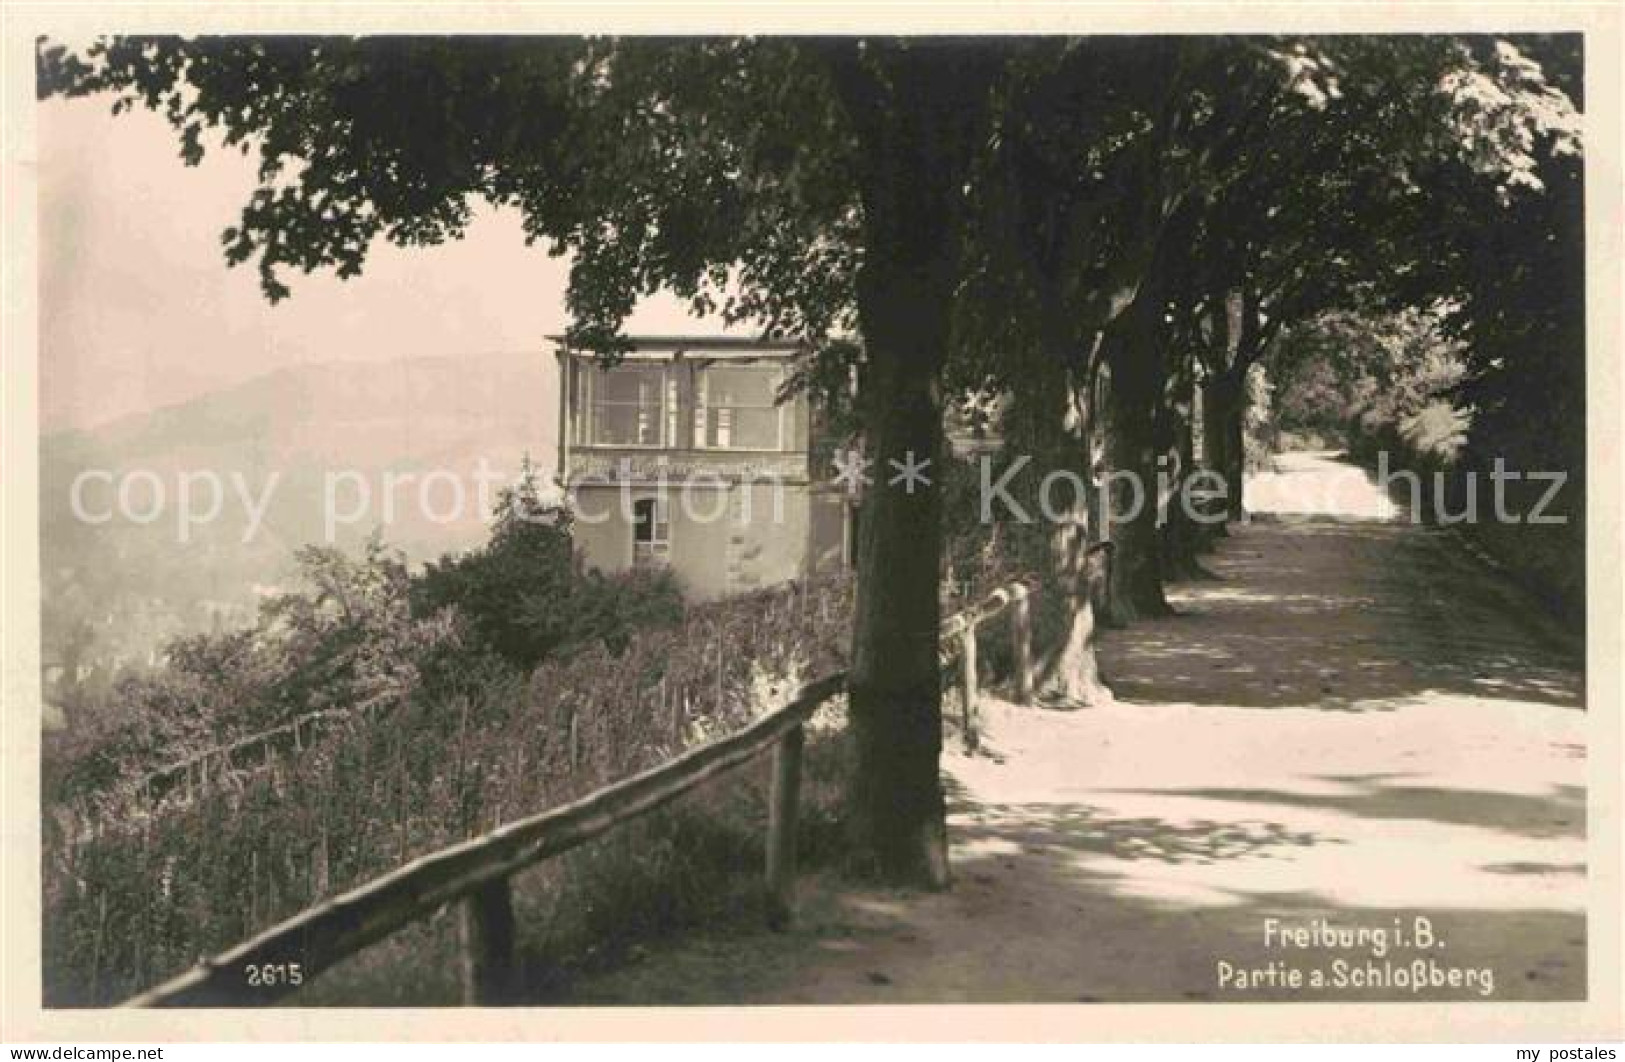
{"x":346,"y":639}
{"x":137,"y":895}
{"x":522,"y":595}
{"x":362,"y":633}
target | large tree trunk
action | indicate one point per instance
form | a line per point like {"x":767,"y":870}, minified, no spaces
{"x":1049,"y":423}
{"x":915,"y":129}
{"x":895,"y":800}
{"x":1135,"y":364}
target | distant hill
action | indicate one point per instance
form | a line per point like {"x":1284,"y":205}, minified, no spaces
{"x":293,"y":437}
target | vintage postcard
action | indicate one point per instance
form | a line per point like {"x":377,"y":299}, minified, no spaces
{"x":579,"y":523}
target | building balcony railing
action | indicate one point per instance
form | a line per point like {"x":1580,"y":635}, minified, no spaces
{"x":611,"y":465}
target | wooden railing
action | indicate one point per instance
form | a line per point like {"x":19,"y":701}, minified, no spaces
{"x":959,"y":634}
{"x":194,"y":774}
{"x":477,"y":873}
{"x":246,"y":753}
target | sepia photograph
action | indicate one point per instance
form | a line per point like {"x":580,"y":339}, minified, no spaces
{"x":688,"y":519}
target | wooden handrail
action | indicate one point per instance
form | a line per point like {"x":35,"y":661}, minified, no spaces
{"x":191,"y":774}
{"x":277,"y":739}
{"x":477,"y":871}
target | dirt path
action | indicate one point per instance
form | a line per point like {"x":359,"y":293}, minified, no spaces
{"x":1355,"y":725}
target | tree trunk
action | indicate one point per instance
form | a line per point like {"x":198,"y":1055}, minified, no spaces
{"x":1049,"y":423}
{"x":896,"y":804}
{"x":1135,"y":362}
{"x":917,"y":130}
{"x":1223,"y":409}
{"x":1069,"y":675}
{"x":1181,"y":535}
{"x":1237,"y":511}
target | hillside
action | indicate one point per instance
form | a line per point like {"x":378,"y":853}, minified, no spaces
{"x":291,"y":445}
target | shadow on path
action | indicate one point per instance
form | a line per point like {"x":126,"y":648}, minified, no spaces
{"x":1561,"y":813}
{"x":1047,"y":907}
{"x":1340,"y":617}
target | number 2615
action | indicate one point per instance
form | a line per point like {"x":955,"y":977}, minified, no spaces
{"x":273,"y":974}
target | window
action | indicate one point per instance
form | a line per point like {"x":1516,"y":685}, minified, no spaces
{"x":734,"y":408}
{"x":651,"y":533}
{"x":630,"y":405}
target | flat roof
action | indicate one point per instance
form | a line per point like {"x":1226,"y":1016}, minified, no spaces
{"x":735,"y":345}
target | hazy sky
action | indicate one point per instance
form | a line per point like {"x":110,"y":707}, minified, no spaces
{"x":138,"y":308}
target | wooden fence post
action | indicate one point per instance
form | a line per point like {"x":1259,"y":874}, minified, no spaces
{"x":487,"y":931}
{"x":781,"y":828}
{"x":1021,"y":642}
{"x":967,"y":664}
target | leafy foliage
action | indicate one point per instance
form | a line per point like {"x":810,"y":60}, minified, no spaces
{"x":1345,"y":368}
{"x":346,"y":640}
{"x":522,"y":595}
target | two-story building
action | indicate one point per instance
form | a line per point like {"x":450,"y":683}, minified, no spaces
{"x":683,"y":456}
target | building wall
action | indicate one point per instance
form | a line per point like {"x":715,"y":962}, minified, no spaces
{"x":699,"y":542}
{"x":767,"y":542}
{"x":727,"y":540}
{"x":602,"y":532}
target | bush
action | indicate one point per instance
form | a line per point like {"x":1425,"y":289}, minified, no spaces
{"x":1289,"y":440}
{"x":362,"y":633}
{"x":347,"y":639}
{"x":1368,"y":377}
{"x":455,"y":758}
{"x":522,"y":595}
